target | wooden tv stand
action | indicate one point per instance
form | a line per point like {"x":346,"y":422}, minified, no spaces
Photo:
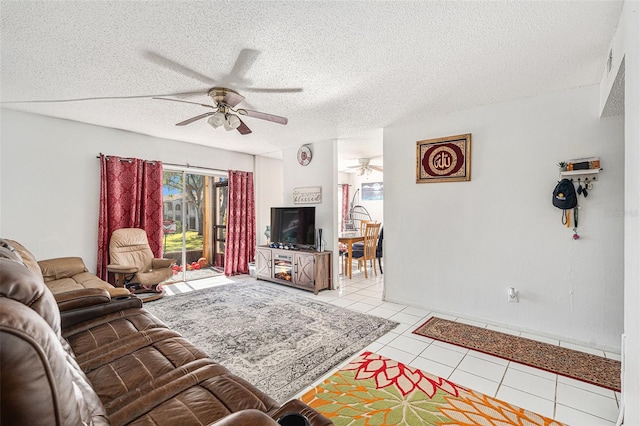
{"x":305,"y":269}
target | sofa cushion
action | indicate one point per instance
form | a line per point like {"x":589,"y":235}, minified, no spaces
{"x":63,"y":285}
{"x":84,"y":280}
{"x":61,"y":267}
{"x":64,"y":274}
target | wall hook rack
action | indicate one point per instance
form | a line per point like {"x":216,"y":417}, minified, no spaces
{"x":588,"y":168}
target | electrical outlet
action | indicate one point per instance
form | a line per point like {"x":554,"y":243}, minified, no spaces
{"x":512,"y":295}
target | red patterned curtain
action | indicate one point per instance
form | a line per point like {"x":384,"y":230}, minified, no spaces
{"x":241,"y":224}
{"x":130,"y":197}
{"x":345,"y":203}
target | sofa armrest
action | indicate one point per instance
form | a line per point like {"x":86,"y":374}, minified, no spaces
{"x":122,"y":269}
{"x":72,"y":317}
{"x":61,"y":267}
{"x":246,"y":417}
{"x":161,"y":263}
{"x":297,"y":406}
{"x":81,"y":298}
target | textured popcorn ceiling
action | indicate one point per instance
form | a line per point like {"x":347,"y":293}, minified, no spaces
{"x":361,"y":65}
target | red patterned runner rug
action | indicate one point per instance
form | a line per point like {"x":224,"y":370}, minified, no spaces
{"x":374,"y":390}
{"x":578,"y":365}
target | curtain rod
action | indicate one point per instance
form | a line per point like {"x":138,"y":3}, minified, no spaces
{"x":188,"y":166}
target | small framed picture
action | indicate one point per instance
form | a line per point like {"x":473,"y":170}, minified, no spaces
{"x":372,"y":191}
{"x":445,"y":159}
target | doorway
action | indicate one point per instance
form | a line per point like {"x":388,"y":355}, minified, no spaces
{"x":360,"y":200}
{"x":194,"y":223}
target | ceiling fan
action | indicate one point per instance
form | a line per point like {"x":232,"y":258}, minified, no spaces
{"x":365,"y":168}
{"x":224,"y":111}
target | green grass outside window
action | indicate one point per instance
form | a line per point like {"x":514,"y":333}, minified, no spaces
{"x":173,"y":242}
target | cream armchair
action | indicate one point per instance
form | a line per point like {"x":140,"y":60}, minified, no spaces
{"x":133,"y":264}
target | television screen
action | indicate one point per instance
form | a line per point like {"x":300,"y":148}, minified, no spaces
{"x":293,"y":225}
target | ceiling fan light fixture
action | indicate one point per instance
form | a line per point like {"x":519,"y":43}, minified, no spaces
{"x":217,"y":120}
{"x":232,"y":122}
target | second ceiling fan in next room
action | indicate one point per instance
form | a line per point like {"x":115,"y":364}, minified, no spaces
{"x":364,"y":168}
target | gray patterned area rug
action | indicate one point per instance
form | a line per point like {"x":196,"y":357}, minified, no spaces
{"x":278,"y":341}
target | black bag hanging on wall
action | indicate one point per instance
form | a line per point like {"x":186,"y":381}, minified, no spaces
{"x":564,"y":195}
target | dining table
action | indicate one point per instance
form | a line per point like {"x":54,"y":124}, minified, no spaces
{"x":349,"y":238}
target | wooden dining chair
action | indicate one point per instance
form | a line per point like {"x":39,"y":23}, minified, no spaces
{"x":371,"y":231}
{"x":363,"y":223}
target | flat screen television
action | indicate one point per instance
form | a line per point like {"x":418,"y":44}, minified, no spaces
{"x":293,"y":225}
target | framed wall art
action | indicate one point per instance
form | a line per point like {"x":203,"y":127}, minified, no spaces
{"x":445,"y":159}
{"x":309,"y":195}
{"x":372,"y":191}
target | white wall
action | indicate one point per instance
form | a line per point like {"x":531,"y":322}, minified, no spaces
{"x":322,"y":171}
{"x":50,"y":178}
{"x":269,"y":193}
{"x":344,"y":178}
{"x":630,"y":22}
{"x":456,"y":247}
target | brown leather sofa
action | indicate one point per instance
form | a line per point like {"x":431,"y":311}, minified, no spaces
{"x":93,"y":359}
{"x":62,"y":274}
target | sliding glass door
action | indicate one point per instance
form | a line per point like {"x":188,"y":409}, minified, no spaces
{"x":194,"y":225}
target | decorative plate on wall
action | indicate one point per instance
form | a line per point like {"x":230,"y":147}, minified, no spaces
{"x":304,"y":155}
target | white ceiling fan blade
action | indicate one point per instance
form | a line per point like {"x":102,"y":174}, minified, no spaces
{"x":176,"y":67}
{"x":237,"y":76}
{"x":263,"y":116}
{"x":245,"y":60}
{"x":185,"y":102}
{"x":377,"y":168}
{"x":196,"y":118}
{"x":102,"y":98}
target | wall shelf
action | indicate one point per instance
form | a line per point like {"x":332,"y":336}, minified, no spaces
{"x":587,"y":173}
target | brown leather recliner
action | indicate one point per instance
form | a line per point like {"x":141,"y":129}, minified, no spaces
{"x":132,"y":261}
{"x":91,"y":359}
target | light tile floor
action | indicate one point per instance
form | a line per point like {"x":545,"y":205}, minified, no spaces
{"x":564,"y":399}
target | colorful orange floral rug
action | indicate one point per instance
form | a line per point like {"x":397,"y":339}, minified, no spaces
{"x":374,"y":390}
